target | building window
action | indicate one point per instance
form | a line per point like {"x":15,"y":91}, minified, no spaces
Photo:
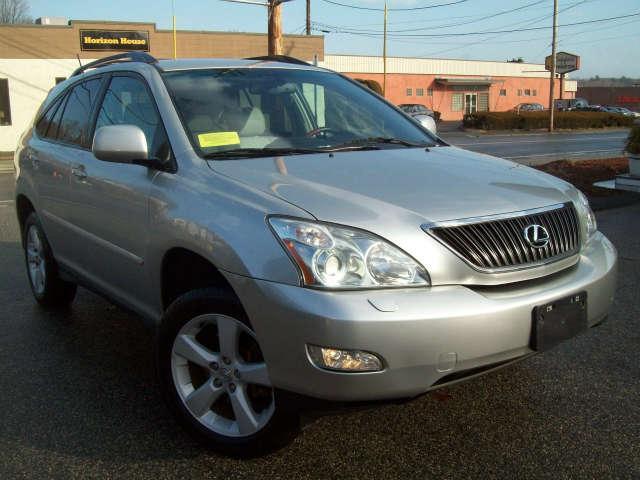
{"x":534,"y":93}
{"x":483,"y":102}
{"x":457,"y":102}
{"x":519,"y":92}
{"x":5,"y":107}
{"x":503,"y":92}
{"x":409,"y":92}
{"x":429,"y":92}
{"x":419,"y":92}
{"x":60,"y":80}
{"x":527,"y":92}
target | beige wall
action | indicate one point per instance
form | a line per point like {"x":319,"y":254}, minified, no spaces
{"x":51,"y":41}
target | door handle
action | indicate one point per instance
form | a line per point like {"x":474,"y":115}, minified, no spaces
{"x":35,"y":161}
{"x":79,"y":172}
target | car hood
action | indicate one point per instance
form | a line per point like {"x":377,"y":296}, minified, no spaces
{"x":378,"y":189}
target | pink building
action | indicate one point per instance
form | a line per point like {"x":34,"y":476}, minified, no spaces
{"x":454,"y":87}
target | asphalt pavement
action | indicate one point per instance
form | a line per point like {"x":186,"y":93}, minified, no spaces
{"x":79,"y":399}
{"x":540,"y":148}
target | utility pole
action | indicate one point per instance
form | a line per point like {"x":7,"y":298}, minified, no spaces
{"x":308,"y":17}
{"x":274,"y":22}
{"x":552,"y":80}
{"x":275,"y":27}
{"x":384,"y":54}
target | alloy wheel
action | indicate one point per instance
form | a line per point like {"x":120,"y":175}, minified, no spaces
{"x":35,"y":260}
{"x":221,"y":377}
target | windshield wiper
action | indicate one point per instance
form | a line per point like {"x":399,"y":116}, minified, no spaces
{"x":371,"y":141}
{"x":260,"y":152}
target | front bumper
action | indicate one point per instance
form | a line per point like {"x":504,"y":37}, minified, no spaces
{"x":432,"y":332}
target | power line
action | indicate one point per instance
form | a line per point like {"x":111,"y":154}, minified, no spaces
{"x":490,"y":32}
{"x":485,"y":17}
{"x":526,"y":23}
{"x":408,"y":9}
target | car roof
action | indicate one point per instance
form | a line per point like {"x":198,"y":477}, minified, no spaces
{"x":207,"y":63}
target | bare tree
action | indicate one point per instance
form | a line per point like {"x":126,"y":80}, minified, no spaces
{"x":14,"y":11}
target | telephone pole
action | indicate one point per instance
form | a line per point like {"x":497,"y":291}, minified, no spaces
{"x":275,"y":27}
{"x":384,"y":54}
{"x":552,"y":80}
{"x":308,"y":17}
{"x":274,"y":22}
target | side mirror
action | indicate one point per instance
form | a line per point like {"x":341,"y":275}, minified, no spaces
{"x":427,"y":122}
{"x":121,"y":144}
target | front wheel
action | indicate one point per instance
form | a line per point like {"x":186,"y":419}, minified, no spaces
{"x":215,"y":379}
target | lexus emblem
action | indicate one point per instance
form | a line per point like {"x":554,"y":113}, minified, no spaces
{"x":536,"y":235}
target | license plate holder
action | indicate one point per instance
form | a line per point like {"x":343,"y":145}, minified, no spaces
{"x":559,"y":320}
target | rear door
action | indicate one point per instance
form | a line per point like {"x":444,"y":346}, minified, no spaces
{"x":59,"y":141}
{"x":111,"y":199}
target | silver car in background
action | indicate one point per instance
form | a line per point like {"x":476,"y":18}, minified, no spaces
{"x":289,"y":236}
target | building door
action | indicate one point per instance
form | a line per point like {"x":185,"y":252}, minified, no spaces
{"x":470,"y":102}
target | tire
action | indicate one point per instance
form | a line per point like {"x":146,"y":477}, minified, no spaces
{"x":208,"y":385}
{"x":42,"y":270}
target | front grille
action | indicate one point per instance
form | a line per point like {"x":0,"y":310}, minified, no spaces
{"x":499,"y":243}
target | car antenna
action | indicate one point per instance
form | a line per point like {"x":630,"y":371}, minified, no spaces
{"x":78,"y":57}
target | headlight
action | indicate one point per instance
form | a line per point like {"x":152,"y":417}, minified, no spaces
{"x":590,"y":224}
{"x":338,"y":257}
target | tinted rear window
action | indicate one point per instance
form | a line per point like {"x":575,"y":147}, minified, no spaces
{"x":74,"y":125}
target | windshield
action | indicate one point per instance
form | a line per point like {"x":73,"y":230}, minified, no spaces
{"x":273,"y":111}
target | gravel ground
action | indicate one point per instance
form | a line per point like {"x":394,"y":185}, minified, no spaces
{"x":79,"y":400}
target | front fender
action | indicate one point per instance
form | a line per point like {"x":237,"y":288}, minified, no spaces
{"x":220,"y":220}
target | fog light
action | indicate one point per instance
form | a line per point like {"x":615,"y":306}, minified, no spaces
{"x":344,"y":360}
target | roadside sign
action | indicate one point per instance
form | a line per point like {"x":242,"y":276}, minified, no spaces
{"x":565,"y":62}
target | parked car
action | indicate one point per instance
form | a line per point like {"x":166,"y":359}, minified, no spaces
{"x":622,"y":111}
{"x":423,"y":115}
{"x":415,"y":109}
{"x":591,"y":108}
{"x":529,"y":107}
{"x":568,"y":104}
{"x":289,"y":235}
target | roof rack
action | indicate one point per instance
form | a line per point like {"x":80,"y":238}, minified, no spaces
{"x":280,"y":58}
{"x":119,"y":58}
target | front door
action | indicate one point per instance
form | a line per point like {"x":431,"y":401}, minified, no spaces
{"x":113,"y":198}
{"x":470,"y":102}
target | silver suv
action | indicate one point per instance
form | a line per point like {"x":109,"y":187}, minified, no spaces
{"x":290,"y":235}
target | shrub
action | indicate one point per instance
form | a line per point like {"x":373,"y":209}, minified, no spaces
{"x":537,"y":120}
{"x":372,"y":84}
{"x":633,"y":142}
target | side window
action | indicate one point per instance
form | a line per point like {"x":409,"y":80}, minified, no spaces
{"x":128,"y":102}
{"x":5,"y":104}
{"x":46,"y":127}
{"x":314,"y":95}
{"x":74,"y":125}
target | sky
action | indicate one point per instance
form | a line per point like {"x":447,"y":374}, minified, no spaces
{"x":607,"y":48}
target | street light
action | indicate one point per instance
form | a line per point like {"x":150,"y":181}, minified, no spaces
{"x":274,"y":22}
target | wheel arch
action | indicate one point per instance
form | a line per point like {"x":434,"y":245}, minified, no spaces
{"x":24,"y":207}
{"x":183,"y":270}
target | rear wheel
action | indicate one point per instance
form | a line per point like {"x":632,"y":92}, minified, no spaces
{"x":215,"y":378}
{"x":47,"y":286}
